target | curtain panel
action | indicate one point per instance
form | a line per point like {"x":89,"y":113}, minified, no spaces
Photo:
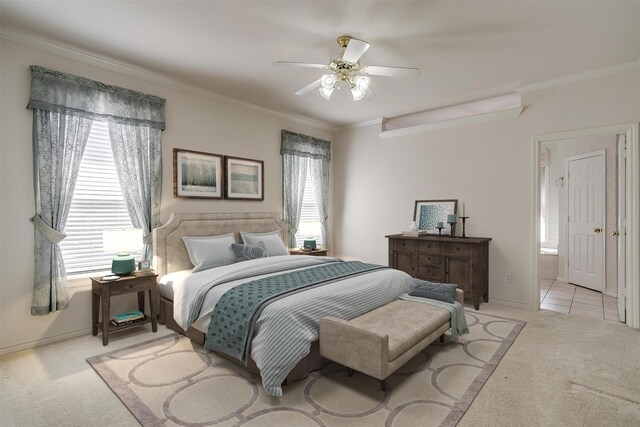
{"x":77,"y":96}
{"x":64,"y":108}
{"x":294,"y":148}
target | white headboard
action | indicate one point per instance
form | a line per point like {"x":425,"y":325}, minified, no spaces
{"x":169,"y":252}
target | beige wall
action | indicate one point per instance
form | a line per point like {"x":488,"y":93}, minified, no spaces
{"x":488,"y":166}
{"x":193,"y":122}
{"x":559,"y":151}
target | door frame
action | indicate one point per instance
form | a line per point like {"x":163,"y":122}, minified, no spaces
{"x":632,"y":198}
{"x":603,"y":157}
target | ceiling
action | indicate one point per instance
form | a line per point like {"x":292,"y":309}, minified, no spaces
{"x":464,"y":49}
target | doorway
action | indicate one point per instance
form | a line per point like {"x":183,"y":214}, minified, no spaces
{"x":620,"y":232}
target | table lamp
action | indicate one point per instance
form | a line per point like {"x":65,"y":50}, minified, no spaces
{"x":309,"y":230}
{"x":122,"y":242}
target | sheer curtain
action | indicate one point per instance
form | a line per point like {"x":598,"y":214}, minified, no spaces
{"x":295,"y":148}
{"x":58,"y":144}
{"x":64,"y":107}
{"x":137,"y":153}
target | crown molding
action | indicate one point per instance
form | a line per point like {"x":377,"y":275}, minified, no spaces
{"x":150,"y":76}
{"x":358,"y":125}
{"x":579,"y":77}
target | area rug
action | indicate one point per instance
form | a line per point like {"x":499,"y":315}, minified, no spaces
{"x":172,"y":381}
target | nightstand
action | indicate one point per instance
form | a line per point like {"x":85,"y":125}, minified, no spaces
{"x":102,"y":291}
{"x":316,"y":252}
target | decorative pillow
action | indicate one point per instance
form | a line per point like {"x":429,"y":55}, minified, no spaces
{"x":211,"y":251}
{"x":247,"y":252}
{"x":444,"y":292}
{"x":272,"y":241}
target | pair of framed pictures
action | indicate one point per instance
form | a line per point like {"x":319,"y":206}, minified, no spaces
{"x":202,"y":175}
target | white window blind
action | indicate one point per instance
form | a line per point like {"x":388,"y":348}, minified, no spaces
{"x":97,"y":205}
{"x":309,"y":217}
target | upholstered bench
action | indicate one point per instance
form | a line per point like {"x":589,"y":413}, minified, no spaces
{"x":381,"y":341}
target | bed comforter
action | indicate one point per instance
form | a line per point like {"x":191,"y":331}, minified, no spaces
{"x":286,"y":328}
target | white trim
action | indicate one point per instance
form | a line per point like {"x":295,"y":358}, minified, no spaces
{"x":621,"y":227}
{"x":463,"y":121}
{"x":43,"y":341}
{"x":633,"y":211}
{"x":567,"y":160}
{"x":150,"y":76}
{"x":611,"y":294}
{"x":578,"y":77}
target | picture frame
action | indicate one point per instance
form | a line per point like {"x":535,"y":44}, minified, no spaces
{"x":244,"y":178}
{"x":144,"y":265}
{"x":427,"y":213}
{"x":197,"y":175}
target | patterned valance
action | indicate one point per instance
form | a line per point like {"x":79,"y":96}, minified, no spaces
{"x":73,"y":95}
{"x":297,"y":144}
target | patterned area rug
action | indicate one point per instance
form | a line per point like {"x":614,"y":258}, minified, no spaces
{"x":171,"y":381}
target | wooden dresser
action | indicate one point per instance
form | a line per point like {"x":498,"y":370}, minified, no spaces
{"x":464,"y":261}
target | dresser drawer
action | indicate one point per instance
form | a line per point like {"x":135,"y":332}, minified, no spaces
{"x":431,"y":273}
{"x":434,"y":260}
{"x":458,"y":249}
{"x":430,"y":247}
{"x":404,"y":245}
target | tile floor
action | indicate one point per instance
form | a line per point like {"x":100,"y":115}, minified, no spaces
{"x":571,"y":299}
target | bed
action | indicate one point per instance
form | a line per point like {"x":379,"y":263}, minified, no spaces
{"x":345,"y":298}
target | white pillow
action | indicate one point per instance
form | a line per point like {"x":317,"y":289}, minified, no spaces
{"x":272,"y":241}
{"x":211,"y":251}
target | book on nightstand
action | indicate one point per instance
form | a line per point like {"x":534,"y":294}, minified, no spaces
{"x":131,"y":316}
{"x":143,"y":272}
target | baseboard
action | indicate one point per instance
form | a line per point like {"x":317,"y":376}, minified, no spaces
{"x":43,"y":341}
{"x":510,"y":303}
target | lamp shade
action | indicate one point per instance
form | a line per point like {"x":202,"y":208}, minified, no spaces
{"x":122,"y":241}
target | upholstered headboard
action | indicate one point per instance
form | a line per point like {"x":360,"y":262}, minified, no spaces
{"x":169,"y":252}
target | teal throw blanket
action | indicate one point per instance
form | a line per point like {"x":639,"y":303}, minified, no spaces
{"x":233,"y":316}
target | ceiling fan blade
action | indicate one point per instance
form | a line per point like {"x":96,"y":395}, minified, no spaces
{"x":309,"y":88}
{"x":300,"y":64}
{"x":375,"y":70}
{"x":354,"y":51}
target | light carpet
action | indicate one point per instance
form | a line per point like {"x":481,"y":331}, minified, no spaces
{"x":171,"y":381}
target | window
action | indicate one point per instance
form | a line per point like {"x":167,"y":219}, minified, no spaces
{"x":309,"y":224}
{"x":97,"y":205}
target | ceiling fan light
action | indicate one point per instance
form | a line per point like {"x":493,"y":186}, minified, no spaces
{"x":328,"y":81}
{"x":326,"y":92}
{"x":357,"y":93}
{"x":362,"y":82}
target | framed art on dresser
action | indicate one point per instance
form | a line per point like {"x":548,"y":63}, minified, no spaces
{"x":197,"y":174}
{"x":428,"y":213}
{"x":244,"y":178}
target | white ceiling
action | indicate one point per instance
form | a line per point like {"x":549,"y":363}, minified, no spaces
{"x":463,"y":49}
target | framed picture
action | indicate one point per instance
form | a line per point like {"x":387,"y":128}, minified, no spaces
{"x":427,"y":214}
{"x":244,"y":179}
{"x":197,"y":175}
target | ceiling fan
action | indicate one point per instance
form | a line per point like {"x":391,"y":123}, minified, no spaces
{"x":347,"y":70}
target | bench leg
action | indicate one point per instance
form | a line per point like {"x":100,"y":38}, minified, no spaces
{"x":383,"y":385}
{"x":442,"y":338}
{"x":350,"y":372}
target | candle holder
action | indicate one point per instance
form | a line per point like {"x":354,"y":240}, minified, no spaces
{"x":464,"y":226}
{"x":439,"y":231}
{"x":453,"y":228}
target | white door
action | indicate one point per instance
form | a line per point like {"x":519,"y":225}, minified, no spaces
{"x":585,"y":196}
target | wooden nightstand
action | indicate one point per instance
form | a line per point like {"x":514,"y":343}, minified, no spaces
{"x":316,"y":252}
{"x":102,"y":291}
